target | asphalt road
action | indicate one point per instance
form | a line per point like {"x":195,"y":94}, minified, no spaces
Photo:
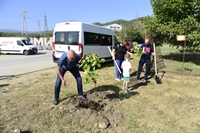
{"x":16,"y":64}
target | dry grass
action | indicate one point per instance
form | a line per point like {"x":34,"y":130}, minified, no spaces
{"x":26,"y":103}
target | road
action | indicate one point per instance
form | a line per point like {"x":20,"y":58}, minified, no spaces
{"x":17,"y":64}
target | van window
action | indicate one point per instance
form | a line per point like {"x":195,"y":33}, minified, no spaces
{"x":95,"y":39}
{"x":92,"y":39}
{"x":27,"y":42}
{"x":19,"y":43}
{"x":60,"y":37}
{"x":106,"y":40}
{"x":68,"y":38}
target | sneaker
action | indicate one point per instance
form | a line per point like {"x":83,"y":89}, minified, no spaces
{"x":82,"y":97}
{"x":137,"y":80}
{"x":127,"y":91}
{"x":56,"y":101}
{"x":117,"y":79}
{"x":145,"y":81}
{"x":122,"y":79}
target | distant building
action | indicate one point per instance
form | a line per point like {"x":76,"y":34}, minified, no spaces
{"x":115,"y":27}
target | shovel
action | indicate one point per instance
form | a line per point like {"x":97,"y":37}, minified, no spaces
{"x":115,"y":61}
{"x":158,"y":80}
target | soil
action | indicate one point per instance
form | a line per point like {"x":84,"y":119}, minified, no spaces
{"x":99,"y":109}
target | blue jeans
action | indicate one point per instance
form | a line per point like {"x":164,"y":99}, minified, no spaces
{"x":75,"y":72}
{"x":117,"y":73}
{"x":140,"y":66}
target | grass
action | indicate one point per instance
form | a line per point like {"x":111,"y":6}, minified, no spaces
{"x":173,"y":60}
{"x":26,"y":103}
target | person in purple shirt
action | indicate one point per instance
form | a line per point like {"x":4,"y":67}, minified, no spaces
{"x":145,"y":59}
{"x":68,"y":62}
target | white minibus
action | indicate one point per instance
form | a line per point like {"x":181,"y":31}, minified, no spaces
{"x":16,"y":45}
{"x":82,"y":38}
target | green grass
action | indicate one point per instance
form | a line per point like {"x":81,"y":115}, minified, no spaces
{"x":173,"y":60}
{"x":171,"y":107}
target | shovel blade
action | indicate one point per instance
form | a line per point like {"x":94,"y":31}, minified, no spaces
{"x":158,"y":80}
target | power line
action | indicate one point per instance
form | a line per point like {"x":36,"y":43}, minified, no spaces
{"x":39,"y":31}
{"x":24,"y":28}
{"x":45,"y":25}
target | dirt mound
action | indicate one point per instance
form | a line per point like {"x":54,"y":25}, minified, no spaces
{"x":99,"y":110}
{"x":90,"y":105}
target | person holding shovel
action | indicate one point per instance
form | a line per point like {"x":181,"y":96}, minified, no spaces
{"x":68,"y":62}
{"x":145,"y":59}
{"x":118,"y":53}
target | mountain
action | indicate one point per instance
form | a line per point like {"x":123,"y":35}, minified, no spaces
{"x":119,"y":21}
{"x":19,"y":31}
{"x":10,"y":31}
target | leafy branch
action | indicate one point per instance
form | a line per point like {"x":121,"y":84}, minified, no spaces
{"x":90,"y":63}
{"x":136,"y":49}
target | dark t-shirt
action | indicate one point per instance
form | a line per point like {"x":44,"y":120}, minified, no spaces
{"x":120,"y":52}
{"x":64,"y":62}
{"x":148,"y":49}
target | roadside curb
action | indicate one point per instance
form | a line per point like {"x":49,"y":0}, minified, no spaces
{"x":10,"y":76}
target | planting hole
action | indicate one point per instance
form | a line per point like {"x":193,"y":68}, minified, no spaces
{"x":91,"y":105}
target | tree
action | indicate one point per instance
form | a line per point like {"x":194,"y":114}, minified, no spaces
{"x":134,"y":35}
{"x":172,"y":18}
{"x":49,"y":34}
{"x":175,"y":10}
{"x":37,"y":36}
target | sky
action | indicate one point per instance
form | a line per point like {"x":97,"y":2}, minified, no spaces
{"x":56,"y":11}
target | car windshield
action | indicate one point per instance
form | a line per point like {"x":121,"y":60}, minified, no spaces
{"x":27,"y":42}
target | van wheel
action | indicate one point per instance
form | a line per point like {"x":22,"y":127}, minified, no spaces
{"x":26,"y":52}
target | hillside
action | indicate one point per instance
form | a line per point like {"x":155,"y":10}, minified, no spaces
{"x":119,"y":21}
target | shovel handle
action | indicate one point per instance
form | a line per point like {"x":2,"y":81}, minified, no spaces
{"x":115,"y":61}
{"x":155,"y":62}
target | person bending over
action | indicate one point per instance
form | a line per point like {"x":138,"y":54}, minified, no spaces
{"x":68,"y":62}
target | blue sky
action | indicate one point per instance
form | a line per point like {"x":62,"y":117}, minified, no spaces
{"x":88,"y":11}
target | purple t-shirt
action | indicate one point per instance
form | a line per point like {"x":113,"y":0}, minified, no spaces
{"x":148,"y":49}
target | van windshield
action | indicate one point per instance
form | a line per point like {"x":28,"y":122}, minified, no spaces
{"x":66,"y":38}
{"x":27,"y":42}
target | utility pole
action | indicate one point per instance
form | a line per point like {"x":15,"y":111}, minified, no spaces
{"x":45,"y":25}
{"x":39,"y":32}
{"x":24,"y":28}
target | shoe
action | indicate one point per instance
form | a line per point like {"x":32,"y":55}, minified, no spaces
{"x":127,"y":91}
{"x":122,"y":79}
{"x":137,"y":79}
{"x":82,"y":97}
{"x":145,"y":81}
{"x":117,"y":79}
{"x":56,"y":101}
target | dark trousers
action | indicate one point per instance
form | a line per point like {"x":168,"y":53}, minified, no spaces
{"x":75,"y":72}
{"x":140,"y":66}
